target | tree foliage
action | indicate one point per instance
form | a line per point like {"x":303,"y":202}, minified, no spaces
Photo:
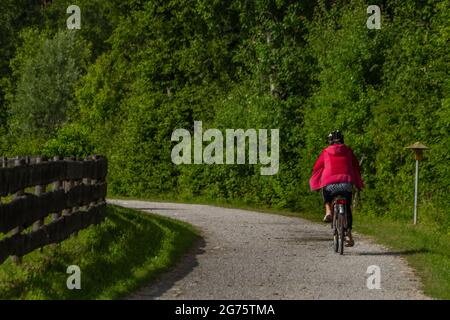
{"x":303,"y":67}
{"x":47,"y":71}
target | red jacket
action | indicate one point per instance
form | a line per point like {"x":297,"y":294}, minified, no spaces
{"x":336,"y":164}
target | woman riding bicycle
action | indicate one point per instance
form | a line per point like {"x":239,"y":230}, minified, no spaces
{"x":335,"y":172}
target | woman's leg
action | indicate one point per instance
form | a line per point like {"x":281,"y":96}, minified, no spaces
{"x":327,"y":208}
{"x":349,"y":241}
{"x":327,"y":199}
{"x":348,"y":197}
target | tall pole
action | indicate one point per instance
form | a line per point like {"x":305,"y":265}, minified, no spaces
{"x":416,"y":190}
{"x":418,"y":149}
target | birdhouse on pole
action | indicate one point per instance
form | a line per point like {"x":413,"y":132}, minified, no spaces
{"x":418,"y":149}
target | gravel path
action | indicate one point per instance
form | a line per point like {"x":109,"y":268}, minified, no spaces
{"x":251,"y":255}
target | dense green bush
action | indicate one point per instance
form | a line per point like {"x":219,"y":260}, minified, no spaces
{"x":47,"y":70}
{"x":47,"y":76}
{"x":303,"y":67}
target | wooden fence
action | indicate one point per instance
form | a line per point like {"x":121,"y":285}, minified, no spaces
{"x":44,"y":202}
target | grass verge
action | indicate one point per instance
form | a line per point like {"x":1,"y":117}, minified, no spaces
{"x":116,"y":257}
{"x":426,"y":249}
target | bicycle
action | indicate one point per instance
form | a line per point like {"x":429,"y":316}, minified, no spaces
{"x":339,"y":224}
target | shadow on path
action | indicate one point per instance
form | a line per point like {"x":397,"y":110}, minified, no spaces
{"x":391,"y":253}
{"x":167,"y":280}
{"x":310,"y":239}
{"x":153,"y":209}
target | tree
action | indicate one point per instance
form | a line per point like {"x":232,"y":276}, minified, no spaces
{"x":14,"y":15}
{"x":47,"y":70}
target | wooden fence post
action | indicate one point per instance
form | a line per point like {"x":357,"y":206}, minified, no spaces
{"x":57,"y":185}
{"x":103,"y":199}
{"x":87,"y":182}
{"x":77,"y":183}
{"x":94,"y":181}
{"x":39,"y":190}
{"x":18,"y":194}
{"x":68,"y":184}
{"x":25,"y":210}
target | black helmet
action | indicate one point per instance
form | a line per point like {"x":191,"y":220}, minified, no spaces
{"x":335,"y":137}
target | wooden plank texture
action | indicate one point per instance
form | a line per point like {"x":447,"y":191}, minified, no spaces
{"x":54,"y":232}
{"x":76,"y":201}
{"x":13,"y":179}
{"x":25,"y":209}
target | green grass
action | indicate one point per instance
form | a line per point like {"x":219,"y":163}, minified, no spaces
{"x":126,"y":251}
{"x":425,"y":248}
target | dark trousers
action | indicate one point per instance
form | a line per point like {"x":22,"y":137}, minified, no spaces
{"x":329,"y":196}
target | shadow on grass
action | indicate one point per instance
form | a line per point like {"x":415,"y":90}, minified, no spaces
{"x":119,"y":246}
{"x":116,"y":257}
{"x":167,"y":280}
{"x":391,"y":253}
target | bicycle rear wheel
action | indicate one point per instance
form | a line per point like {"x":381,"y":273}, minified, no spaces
{"x":335,"y":232}
{"x":336,"y":240}
{"x":341,"y":234}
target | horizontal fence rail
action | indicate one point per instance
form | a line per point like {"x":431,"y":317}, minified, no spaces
{"x":76,"y":200}
{"x":24,"y":175}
